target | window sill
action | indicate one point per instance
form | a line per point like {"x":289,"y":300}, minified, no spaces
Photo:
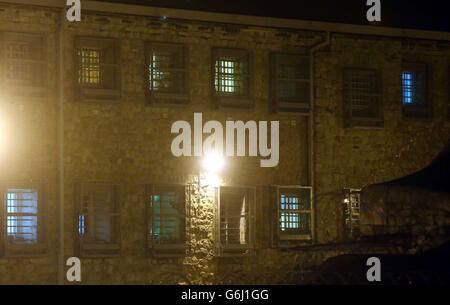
{"x":13,"y":91}
{"x":417,"y":112}
{"x":16,"y":251}
{"x":99,"y":95}
{"x":236,"y":251}
{"x":99,"y":250}
{"x":167,"y":251}
{"x":364,"y":123}
{"x":167,"y":99}
{"x":287,"y":107}
{"x":234,"y":102}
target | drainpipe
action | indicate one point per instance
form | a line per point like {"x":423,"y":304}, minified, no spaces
{"x":60,"y":143}
{"x":311,"y":127}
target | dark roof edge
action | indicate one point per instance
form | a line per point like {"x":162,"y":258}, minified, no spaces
{"x":131,"y":9}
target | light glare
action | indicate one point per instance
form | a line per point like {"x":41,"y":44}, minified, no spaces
{"x":213,"y":162}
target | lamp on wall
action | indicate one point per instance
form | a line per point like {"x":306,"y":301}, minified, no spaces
{"x":212,"y":163}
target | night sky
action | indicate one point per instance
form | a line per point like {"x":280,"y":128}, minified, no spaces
{"x":415,"y":14}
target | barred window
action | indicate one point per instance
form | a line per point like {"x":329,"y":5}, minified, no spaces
{"x":236,"y":220}
{"x":414,"y":90}
{"x":23,"y":212}
{"x":231,"y":70}
{"x":23,"y":59}
{"x":294,"y":206}
{"x":290,"y":82}
{"x":22,"y":216}
{"x":228,"y":78}
{"x":362,"y":98}
{"x":166,"y":214}
{"x":167,"y":73}
{"x":89,"y":72}
{"x":408,"y":82}
{"x":98,"y":219}
{"x":98,"y":69}
{"x":351,"y":206}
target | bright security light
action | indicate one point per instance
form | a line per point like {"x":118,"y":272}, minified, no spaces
{"x":213,"y":162}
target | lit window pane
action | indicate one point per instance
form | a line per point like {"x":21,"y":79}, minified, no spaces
{"x":89,"y":72}
{"x":21,"y":216}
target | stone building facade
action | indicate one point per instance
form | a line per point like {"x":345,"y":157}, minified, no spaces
{"x":103,"y":152}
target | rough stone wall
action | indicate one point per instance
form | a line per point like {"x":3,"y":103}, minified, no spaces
{"x":28,"y":149}
{"x":418,"y":212}
{"x":128,"y":143}
{"x":359,"y":157}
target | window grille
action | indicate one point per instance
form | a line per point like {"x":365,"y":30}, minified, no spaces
{"x":89,"y":72}
{"x":166,"y":214}
{"x":231,"y":74}
{"x":167,"y":73}
{"x":351,"y":206}
{"x":414,"y":90}
{"x":228,"y":76}
{"x":362,"y":98}
{"x":98,"y":69}
{"x":98,"y":219}
{"x":294,"y":205}
{"x":24,"y":64}
{"x":408,"y":81}
{"x":22,"y":216}
{"x":23,"y":219}
{"x":290,"y":82}
{"x":236,"y":220}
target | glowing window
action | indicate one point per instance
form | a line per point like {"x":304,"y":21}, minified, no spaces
{"x":231,"y":76}
{"x":227,"y":79}
{"x":166,"y":215}
{"x":89,"y":67}
{"x":22,"y":216}
{"x":295,"y":212}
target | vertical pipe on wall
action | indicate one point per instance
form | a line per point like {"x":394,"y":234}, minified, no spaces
{"x":60,"y":141}
{"x":311,"y":129}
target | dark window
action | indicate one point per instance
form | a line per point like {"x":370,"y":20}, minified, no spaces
{"x":98,"y":69}
{"x":290,"y":82}
{"x":98,"y":219}
{"x":24,"y":215}
{"x":362,"y":98}
{"x":166,"y":218}
{"x":24,"y":65}
{"x":167,"y":73}
{"x":236,"y":220}
{"x":231,"y":77}
{"x":414,"y":90}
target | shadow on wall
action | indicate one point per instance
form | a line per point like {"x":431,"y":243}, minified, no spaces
{"x":417,"y":205}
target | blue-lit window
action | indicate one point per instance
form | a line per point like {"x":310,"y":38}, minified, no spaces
{"x":81,"y":225}
{"x":409,"y":87}
{"x":289,"y":213}
{"x":22,"y":216}
{"x":294,"y":212}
